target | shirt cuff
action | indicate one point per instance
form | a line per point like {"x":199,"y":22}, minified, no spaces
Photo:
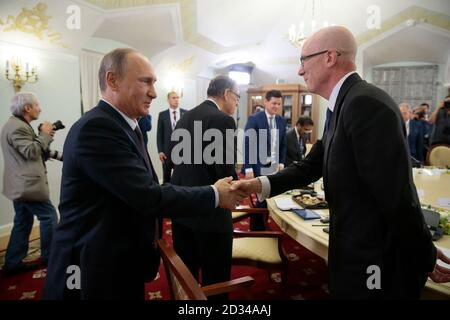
{"x":249,"y":170}
{"x":216,"y":194}
{"x":265,"y":190}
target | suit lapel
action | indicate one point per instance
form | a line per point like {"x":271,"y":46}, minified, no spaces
{"x":129,"y":132}
{"x":346,"y":86}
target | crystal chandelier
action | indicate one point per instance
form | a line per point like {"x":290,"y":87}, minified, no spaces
{"x":297,"y":34}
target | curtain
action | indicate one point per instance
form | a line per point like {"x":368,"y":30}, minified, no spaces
{"x":90,"y":90}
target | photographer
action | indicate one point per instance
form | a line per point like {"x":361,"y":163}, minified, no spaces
{"x":25,"y":181}
{"x":441,"y":120}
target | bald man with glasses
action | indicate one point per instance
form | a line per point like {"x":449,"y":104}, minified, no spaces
{"x":376,"y":222}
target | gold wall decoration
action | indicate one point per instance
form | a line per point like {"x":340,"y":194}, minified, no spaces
{"x":34,"y":21}
{"x":184,"y":65}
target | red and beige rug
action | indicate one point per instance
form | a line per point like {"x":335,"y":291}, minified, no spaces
{"x":307,"y":276}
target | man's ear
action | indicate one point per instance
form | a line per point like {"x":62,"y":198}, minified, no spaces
{"x":27,"y":108}
{"x":111,"y":80}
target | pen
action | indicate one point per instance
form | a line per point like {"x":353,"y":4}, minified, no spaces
{"x":320,"y":225}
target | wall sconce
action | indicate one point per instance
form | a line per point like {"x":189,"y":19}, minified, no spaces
{"x":19,"y":78}
{"x":174,"y":81}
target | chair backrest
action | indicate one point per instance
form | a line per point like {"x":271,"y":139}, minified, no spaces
{"x":439,"y":155}
{"x":182,"y":284}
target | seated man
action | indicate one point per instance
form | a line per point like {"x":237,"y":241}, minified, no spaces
{"x":297,"y":138}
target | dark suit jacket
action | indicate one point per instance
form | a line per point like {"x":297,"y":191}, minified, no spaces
{"x":258,"y":121}
{"x":416,"y":136}
{"x":164,"y":131}
{"x":375,"y":212}
{"x":109,"y":203}
{"x":293,"y":148}
{"x":186,"y":174}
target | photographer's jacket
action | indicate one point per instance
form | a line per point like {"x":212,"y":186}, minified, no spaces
{"x":25,"y":175}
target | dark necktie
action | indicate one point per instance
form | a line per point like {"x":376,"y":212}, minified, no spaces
{"x":174,"y":120}
{"x":328,"y":120}
{"x":138,"y":132}
{"x":300,"y":144}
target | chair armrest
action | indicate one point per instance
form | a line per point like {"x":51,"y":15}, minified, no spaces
{"x":228,"y":286}
{"x":252,"y":210}
{"x":258,"y":234}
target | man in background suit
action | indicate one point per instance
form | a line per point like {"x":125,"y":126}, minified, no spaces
{"x":376,"y":222}
{"x":271,"y":126}
{"x":205,"y":243}
{"x":25,"y":181}
{"x":111,"y":201}
{"x":167,"y":121}
{"x":415,"y":132}
{"x":297,"y":138}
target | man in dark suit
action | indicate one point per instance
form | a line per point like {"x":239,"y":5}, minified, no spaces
{"x":205,"y":243}
{"x":267,"y":130}
{"x":379,"y":244}
{"x":105,"y":244}
{"x":297,"y":138}
{"x":167,"y":121}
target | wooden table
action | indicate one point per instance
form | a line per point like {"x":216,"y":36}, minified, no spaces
{"x":311,"y":236}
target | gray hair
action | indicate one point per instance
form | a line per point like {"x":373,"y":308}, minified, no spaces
{"x":21,"y":100}
{"x":404,"y":105}
{"x":219,"y":84}
{"x":114,"y":61}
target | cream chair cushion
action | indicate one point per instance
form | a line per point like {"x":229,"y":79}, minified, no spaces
{"x":257,"y":249}
{"x":440,"y":156}
{"x":236,"y":215}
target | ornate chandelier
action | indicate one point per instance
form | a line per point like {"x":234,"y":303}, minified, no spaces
{"x":308,"y":24}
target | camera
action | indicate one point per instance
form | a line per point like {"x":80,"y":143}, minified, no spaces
{"x":57,"y":125}
{"x":54,"y":154}
{"x":447,"y":104}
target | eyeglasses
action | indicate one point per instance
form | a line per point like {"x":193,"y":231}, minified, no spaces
{"x":303,"y":59}
{"x":238,"y":97}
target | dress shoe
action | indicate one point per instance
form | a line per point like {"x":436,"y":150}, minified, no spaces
{"x":21,"y":268}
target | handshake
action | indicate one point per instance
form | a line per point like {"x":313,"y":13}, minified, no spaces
{"x":231,"y":193}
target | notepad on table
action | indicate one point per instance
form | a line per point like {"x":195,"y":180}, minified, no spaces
{"x":286,"y":204}
{"x":307,"y":214}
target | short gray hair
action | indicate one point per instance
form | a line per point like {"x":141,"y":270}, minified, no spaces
{"x":404,"y":105}
{"x":219,"y":84}
{"x":115,"y":61}
{"x":21,"y":100}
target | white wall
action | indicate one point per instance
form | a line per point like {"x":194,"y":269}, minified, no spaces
{"x":58,"y":91}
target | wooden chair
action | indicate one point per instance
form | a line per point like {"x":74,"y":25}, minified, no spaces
{"x":261,"y":249}
{"x":439,"y":155}
{"x":182,"y":284}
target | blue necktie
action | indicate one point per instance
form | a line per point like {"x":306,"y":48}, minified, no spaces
{"x":328,"y":119}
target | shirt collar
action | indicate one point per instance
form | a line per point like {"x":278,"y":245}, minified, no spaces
{"x":218,"y":107}
{"x":268,"y":115}
{"x":336,"y":89}
{"x":132,"y":122}
{"x":177,"y":110}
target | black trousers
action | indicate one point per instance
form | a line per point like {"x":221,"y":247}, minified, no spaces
{"x":167,"y":171}
{"x":208,"y":253}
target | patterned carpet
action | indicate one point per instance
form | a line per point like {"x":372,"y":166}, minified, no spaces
{"x":307,"y":276}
